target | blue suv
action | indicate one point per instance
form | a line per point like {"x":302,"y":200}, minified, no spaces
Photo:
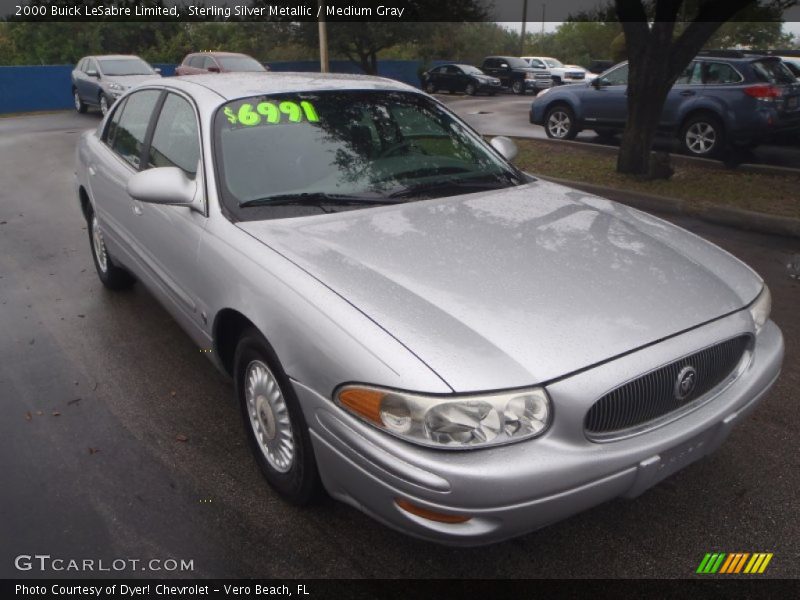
{"x":717,"y":102}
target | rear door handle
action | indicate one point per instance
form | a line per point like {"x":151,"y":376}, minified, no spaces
{"x":688,"y":93}
{"x":92,"y":171}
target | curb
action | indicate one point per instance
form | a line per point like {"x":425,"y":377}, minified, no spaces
{"x":677,"y":159}
{"x":720,"y":215}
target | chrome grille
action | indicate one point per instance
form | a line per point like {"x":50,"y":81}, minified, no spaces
{"x":653,"y":395}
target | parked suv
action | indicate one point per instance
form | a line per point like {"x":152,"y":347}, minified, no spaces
{"x":515,"y":73}
{"x":715,"y":103}
{"x":100,"y":80}
{"x":218,"y":62}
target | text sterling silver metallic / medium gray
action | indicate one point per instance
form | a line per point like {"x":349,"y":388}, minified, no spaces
{"x":455,"y":347}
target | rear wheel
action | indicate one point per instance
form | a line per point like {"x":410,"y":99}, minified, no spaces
{"x":703,"y":136}
{"x":559,"y":123}
{"x":276,"y":427}
{"x":111,"y":276}
{"x":79,"y":105}
{"x":470,"y":89}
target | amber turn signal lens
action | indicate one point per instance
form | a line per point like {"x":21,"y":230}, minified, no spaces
{"x":366,"y":403}
{"x":431,"y":515}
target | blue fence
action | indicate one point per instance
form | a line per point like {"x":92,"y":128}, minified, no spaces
{"x":35,"y":88}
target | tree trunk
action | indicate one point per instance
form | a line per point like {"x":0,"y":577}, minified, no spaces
{"x":645,"y":104}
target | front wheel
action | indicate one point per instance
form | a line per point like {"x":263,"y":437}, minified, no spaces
{"x":559,"y":123}
{"x":430,"y":87}
{"x":703,"y":136}
{"x":105,"y":104}
{"x":470,"y":89}
{"x":518,"y":87}
{"x":79,"y":105}
{"x":111,"y":276}
{"x":276,"y":428}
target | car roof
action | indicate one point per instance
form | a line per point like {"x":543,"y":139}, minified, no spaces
{"x":219,"y":53}
{"x":242,"y":85}
{"x":115,"y":56}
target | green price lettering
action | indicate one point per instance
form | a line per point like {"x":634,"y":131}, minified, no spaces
{"x":247,"y":116}
{"x":269,"y":110}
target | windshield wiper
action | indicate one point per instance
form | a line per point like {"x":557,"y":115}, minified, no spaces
{"x":316,"y":198}
{"x":460,"y":184}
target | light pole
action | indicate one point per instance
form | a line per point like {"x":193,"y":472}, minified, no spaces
{"x":524,"y":24}
{"x":324,"y":64}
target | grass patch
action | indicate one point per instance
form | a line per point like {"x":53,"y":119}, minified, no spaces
{"x":698,"y":185}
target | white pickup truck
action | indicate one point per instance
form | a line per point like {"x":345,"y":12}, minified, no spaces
{"x":560,"y":72}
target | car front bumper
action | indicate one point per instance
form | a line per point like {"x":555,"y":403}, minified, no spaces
{"x":511,"y":490}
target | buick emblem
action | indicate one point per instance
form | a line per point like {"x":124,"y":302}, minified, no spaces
{"x":685,"y":382}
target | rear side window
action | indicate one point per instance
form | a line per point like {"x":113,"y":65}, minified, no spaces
{"x":691,"y":75}
{"x":772,"y":71}
{"x":175,"y":139}
{"x":715,"y":73}
{"x":132,"y":127}
{"x":208,"y":62}
{"x":113,"y":124}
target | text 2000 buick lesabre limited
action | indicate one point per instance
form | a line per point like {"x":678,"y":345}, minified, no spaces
{"x":454,"y":347}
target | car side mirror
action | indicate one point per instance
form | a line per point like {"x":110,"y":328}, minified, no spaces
{"x":93,"y":73}
{"x":596,"y":82}
{"x":157,"y":70}
{"x":163,"y":185}
{"x":503,"y":66}
{"x":505,"y":146}
{"x":213,"y":69}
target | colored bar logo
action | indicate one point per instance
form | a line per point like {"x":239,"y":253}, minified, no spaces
{"x":734,"y":563}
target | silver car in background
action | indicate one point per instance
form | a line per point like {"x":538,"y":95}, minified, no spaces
{"x":462,"y":351}
{"x":99,"y":80}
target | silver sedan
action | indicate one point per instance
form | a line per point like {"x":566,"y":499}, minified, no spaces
{"x":455,"y":347}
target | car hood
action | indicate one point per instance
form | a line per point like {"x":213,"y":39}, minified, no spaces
{"x":517,"y":286}
{"x":129,"y":81}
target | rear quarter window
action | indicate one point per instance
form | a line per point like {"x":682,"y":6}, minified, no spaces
{"x":772,"y":71}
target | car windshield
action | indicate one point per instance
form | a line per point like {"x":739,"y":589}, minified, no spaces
{"x":470,"y":70}
{"x":516,"y":63}
{"x":240,"y":63}
{"x":553,"y":63}
{"x":125,"y":66}
{"x":773,"y":71}
{"x":348,"y":148}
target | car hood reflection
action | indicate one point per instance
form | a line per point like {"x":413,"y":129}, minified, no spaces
{"x":517,"y":286}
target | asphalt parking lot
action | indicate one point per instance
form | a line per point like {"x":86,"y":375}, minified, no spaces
{"x":506,"y":114}
{"x":118,"y":438}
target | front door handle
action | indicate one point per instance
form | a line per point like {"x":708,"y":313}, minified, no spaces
{"x":92,"y":171}
{"x":137,"y":210}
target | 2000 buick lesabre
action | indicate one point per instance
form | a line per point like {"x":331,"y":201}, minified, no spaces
{"x":458,"y":349}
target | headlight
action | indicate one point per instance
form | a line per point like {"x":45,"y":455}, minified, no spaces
{"x":761,"y":308}
{"x":451,"y":421}
{"x":530,"y":76}
{"x":116,"y":87}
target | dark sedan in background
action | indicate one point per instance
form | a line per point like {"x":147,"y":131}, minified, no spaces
{"x":199,"y":63}
{"x":459,"y":78}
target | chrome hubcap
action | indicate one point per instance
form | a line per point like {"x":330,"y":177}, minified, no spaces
{"x":269,"y":416}
{"x":99,"y":246}
{"x":77,"y":99}
{"x":103,"y":105}
{"x":558,"y":124}
{"x":700,"y":138}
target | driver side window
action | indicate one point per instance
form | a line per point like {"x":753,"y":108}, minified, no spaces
{"x":616,"y":77}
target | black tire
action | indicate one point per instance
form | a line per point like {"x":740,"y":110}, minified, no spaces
{"x":518,"y":87}
{"x":430,"y":87}
{"x":703,"y":136}
{"x":470,"y":90}
{"x":105,"y":103}
{"x":111,"y":276}
{"x":559,"y":123}
{"x":299,"y":484}
{"x":80,"y":106}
